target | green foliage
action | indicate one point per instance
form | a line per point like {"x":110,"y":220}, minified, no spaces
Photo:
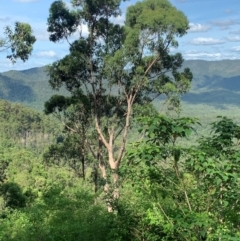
{"x":168,"y":191}
{"x":62,"y":215}
{"x":163,"y":130}
{"x":12,"y":195}
{"x":67,"y":153}
{"x":20,"y":41}
{"x":112,"y":71}
{"x":49,"y":203}
{"x":189,"y":193}
{"x":26,"y":127}
{"x":61,"y":21}
{"x":224,"y":139}
{"x":75,"y":113}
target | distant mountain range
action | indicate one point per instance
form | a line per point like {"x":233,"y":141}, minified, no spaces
{"x":29,"y":87}
{"x":215,"y":83}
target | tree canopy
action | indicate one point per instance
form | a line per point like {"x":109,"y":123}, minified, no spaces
{"x":115,"y":149}
{"x":19,"y":41}
{"x":116,"y":67}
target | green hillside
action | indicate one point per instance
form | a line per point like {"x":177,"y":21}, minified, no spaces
{"x":29,"y":87}
{"x":215,"y":83}
{"x":128,"y":149}
{"x":207,"y":72}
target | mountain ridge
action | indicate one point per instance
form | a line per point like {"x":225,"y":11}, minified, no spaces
{"x":214,"y":82}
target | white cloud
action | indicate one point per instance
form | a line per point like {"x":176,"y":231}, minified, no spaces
{"x":41,"y":34}
{"x":197,"y":27}
{"x":206,"y":41}
{"x":119,"y":19}
{"x":236,"y":49}
{"x":202,"y":55}
{"x":48,"y":54}
{"x":83,"y":29}
{"x":42,"y":37}
{"x":212,"y":55}
{"x":69,"y":5}
{"x":233,"y":39}
{"x":40,"y":31}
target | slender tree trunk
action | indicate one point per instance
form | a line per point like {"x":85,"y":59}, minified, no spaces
{"x":83,"y":163}
{"x":115,"y":186}
{"x":95,"y":177}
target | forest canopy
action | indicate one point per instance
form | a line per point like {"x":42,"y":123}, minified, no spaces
{"x":101,"y":162}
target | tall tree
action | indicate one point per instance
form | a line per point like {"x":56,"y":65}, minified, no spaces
{"x":19,"y":41}
{"x":117,"y":66}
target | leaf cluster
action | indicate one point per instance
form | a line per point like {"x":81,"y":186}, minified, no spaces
{"x":20,"y":41}
{"x":189,"y":193}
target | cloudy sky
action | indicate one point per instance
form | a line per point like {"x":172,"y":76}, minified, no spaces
{"x":214,"y":30}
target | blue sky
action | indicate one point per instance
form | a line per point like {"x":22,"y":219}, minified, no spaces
{"x":214,"y":30}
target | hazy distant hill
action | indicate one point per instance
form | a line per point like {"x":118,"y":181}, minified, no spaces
{"x":215,"y":83}
{"x":29,"y":87}
{"x":218,"y":74}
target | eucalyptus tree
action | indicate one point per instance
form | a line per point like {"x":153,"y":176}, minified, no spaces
{"x":19,"y":41}
{"x":75,"y":115}
{"x":117,"y":65}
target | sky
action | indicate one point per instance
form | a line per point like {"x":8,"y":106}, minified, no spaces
{"x":214,"y":32}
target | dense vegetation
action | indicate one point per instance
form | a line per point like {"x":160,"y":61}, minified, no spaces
{"x":102,"y":163}
{"x":167,"y":191}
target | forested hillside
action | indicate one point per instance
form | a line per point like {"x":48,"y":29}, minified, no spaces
{"x":117,"y":154}
{"x":214,"y":83}
{"x":29,"y":87}
{"x":25,"y":127}
{"x":167,"y":191}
